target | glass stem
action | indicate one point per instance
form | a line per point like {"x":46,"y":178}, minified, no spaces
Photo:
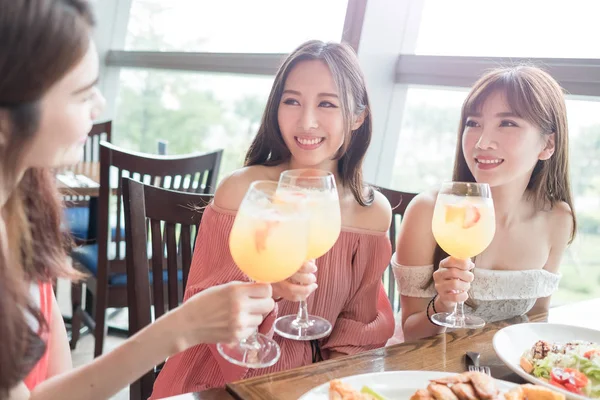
{"x":459,"y":314}
{"x":251,"y":342}
{"x":302,"y":317}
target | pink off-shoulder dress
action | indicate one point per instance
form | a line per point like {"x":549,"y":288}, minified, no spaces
{"x":350,"y":296}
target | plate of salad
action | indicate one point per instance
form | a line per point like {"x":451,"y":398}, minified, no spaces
{"x":563,"y":357}
{"x":390,"y":385}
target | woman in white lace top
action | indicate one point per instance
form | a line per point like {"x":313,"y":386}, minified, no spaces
{"x":513,"y":135}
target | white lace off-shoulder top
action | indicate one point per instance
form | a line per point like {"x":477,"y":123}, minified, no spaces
{"x":497,"y":294}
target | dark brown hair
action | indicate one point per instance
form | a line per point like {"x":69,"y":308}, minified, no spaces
{"x":535,"y":96}
{"x":268,"y":147}
{"x":42,"y":40}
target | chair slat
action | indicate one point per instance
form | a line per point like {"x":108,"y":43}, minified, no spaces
{"x":186,"y":252}
{"x":118,"y":237}
{"x":172,"y":265}
{"x":157,"y":267}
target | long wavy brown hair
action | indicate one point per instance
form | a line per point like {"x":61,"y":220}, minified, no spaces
{"x":535,"y":96}
{"x":268,"y":147}
{"x":41,"y":41}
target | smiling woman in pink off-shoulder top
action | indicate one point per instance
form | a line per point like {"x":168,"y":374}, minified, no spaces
{"x":315,"y":118}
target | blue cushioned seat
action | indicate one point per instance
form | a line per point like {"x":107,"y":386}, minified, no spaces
{"x":77,"y":219}
{"x":87,"y":256}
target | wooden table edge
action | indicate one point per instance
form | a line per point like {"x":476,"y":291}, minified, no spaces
{"x":281,"y":375}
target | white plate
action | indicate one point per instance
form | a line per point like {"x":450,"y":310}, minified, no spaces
{"x":393,"y":385}
{"x":511,"y":342}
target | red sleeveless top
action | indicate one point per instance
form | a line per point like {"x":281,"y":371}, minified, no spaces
{"x":43,"y":296}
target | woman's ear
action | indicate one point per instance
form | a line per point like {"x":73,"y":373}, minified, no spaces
{"x":358,"y":120}
{"x":548,"y":151}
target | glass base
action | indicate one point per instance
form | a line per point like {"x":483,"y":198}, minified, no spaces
{"x":264,"y":353}
{"x":289,"y":328}
{"x":449,"y":320}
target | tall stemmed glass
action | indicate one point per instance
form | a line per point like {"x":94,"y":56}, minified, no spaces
{"x":268,"y":242}
{"x":463,"y":225}
{"x":324,"y":228}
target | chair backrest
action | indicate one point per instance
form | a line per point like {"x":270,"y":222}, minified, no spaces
{"x":172,"y":219}
{"x":399,"y":201}
{"x":100,"y":132}
{"x":188,"y":173}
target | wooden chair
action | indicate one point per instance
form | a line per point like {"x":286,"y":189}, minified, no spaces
{"x":399,"y":201}
{"x":171,"y":219}
{"x":80,"y":217}
{"x":104,"y":260}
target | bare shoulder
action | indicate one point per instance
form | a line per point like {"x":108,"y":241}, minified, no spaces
{"x":415,"y":244}
{"x":233,"y":187}
{"x":375,"y":217}
{"x":420,"y":210}
{"x":561,"y":223}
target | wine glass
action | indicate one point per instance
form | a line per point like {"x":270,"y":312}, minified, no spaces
{"x":324,"y":228}
{"x":268,"y":242}
{"x":463,"y":225}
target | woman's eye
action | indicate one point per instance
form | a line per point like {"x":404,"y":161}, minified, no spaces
{"x":327,"y":104}
{"x":91,"y":95}
{"x":471,"y":124}
{"x":508,"y":124}
{"x":290,"y":102}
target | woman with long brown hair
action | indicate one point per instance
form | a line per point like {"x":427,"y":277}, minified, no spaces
{"x":513,"y":135}
{"x":48,"y":101}
{"x":317,"y":116}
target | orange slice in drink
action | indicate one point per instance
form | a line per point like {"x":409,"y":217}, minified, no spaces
{"x":472,"y":216}
{"x":467,"y":215}
{"x":261,"y":234}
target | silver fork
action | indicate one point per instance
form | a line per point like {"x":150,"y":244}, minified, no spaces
{"x":474,"y":366}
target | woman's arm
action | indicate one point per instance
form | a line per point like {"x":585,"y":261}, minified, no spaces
{"x":109,"y":373}
{"x":415,"y":247}
{"x":220,"y":314}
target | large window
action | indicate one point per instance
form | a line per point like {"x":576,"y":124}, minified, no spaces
{"x":191,"y":111}
{"x":425,"y":152}
{"x":511,"y":28}
{"x":232,"y":26}
{"x":425,"y":157}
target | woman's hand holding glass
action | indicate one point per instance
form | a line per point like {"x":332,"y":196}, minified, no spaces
{"x":299,"y":286}
{"x":225,"y":313}
{"x":452,"y":282}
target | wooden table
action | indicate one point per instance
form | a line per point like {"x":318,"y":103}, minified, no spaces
{"x":211,"y":394}
{"x":444,"y":352}
{"x":90,"y":170}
